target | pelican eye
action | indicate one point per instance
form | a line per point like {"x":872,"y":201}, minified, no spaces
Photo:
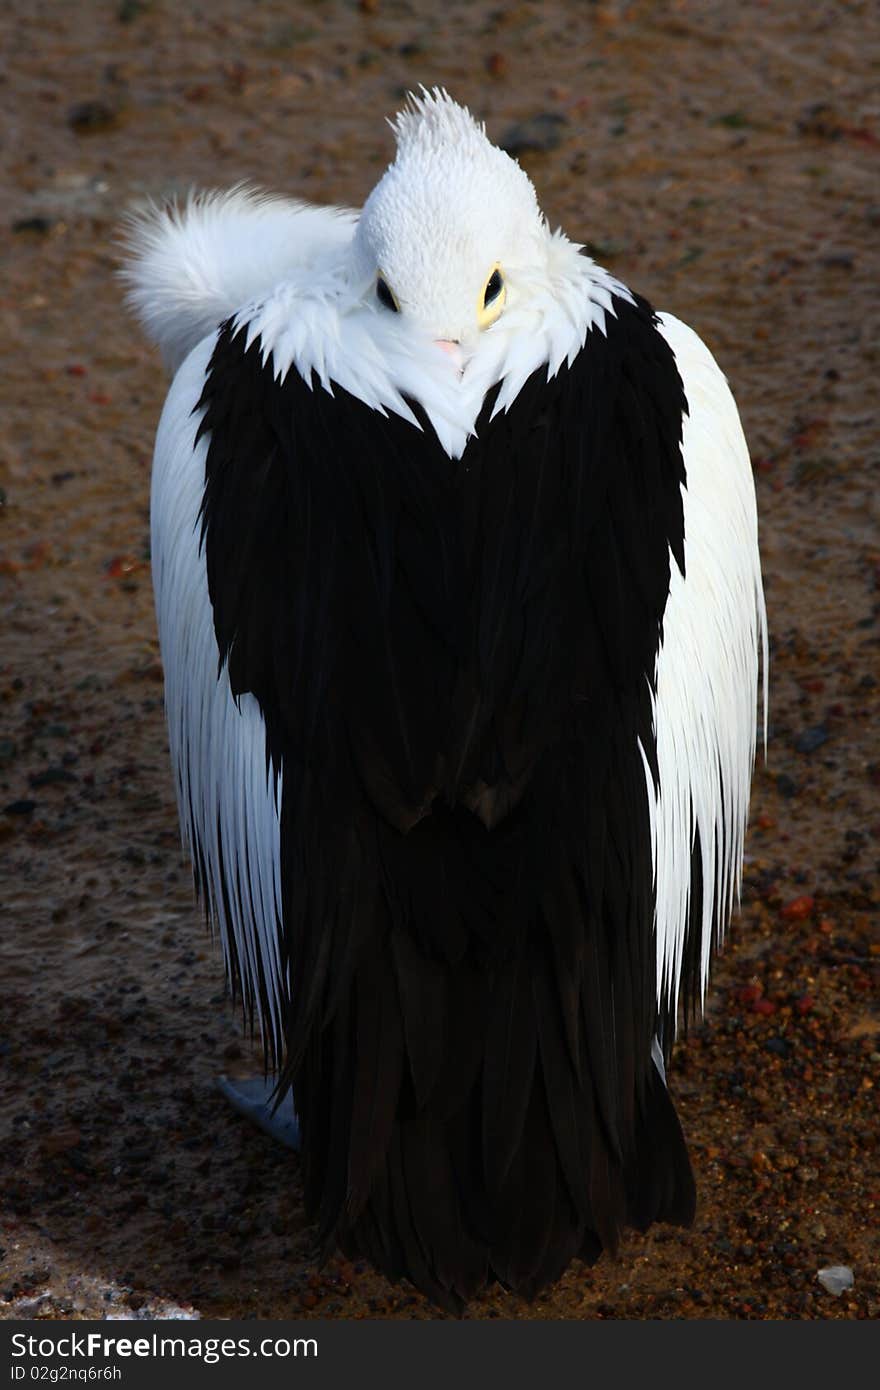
{"x":491,"y":301}
{"x":494,"y":286}
{"x":385,"y":296}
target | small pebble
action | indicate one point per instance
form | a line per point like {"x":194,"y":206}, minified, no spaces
{"x":811,"y":739}
{"x":51,"y":776}
{"x":836,"y":1279}
{"x":798,"y":909}
{"x":39,"y":225}
{"x":538,"y":133}
{"x":93,"y":117}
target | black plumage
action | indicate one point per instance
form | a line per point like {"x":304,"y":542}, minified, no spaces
{"x":454,"y":663}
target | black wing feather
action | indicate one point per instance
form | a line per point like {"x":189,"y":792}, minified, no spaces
{"x":454,"y":664}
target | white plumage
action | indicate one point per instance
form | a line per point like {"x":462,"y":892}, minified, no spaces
{"x":715,"y":626}
{"x":300,"y":282}
{"x":229,"y":800}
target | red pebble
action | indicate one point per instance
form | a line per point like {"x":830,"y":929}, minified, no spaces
{"x":764,"y":1006}
{"x":120,"y":567}
{"x":804,"y":1004}
{"x":750,"y":993}
{"x":77,"y":369}
{"x":798,"y":909}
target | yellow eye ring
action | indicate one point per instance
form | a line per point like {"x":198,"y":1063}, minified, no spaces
{"x":492,"y":298}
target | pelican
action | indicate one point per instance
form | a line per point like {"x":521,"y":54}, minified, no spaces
{"x":459,"y":596}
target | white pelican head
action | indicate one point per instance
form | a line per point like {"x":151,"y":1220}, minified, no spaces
{"x":452,"y":234}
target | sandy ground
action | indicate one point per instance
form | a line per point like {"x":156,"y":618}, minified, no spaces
{"x":723,"y":159}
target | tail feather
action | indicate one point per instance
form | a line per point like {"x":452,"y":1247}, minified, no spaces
{"x":378,"y":1076}
{"x":499,"y":1111}
{"x":509,"y":1175}
{"x":508,"y":1070}
{"x":660,"y":1181}
{"x":189,"y":267}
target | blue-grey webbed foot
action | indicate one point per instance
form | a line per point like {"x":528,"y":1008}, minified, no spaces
{"x":254,"y":1097}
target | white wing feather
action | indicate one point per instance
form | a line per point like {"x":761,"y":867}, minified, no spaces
{"x":707,"y":671}
{"x":229,"y":802}
{"x":189,"y":268}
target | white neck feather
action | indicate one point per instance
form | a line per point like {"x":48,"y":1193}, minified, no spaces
{"x":324,"y":326}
